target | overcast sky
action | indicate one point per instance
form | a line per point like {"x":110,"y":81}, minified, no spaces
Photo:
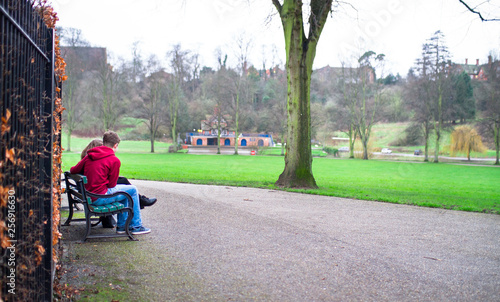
{"x":397,"y":28}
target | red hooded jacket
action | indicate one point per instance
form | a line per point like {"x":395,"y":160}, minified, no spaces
{"x":101,"y":166}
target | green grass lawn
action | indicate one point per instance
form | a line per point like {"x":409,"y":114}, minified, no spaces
{"x":468,"y":188}
{"x":383,"y":134}
{"x":126,"y":146}
{"x":315,"y":151}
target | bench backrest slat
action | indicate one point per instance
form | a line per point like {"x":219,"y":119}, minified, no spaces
{"x":75,"y":186}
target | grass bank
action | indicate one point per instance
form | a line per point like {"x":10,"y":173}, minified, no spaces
{"x":468,"y":188}
{"x":126,"y":146}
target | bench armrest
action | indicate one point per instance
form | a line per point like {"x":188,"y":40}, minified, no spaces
{"x":76,"y":177}
{"x":130,"y":199}
{"x":75,"y":183}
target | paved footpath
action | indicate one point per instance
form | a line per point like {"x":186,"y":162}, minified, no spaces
{"x":217,"y":243}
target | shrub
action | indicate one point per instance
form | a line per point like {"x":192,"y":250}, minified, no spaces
{"x":466,"y":139}
{"x":413,"y":136}
{"x":358,"y":149}
{"x":331,"y":151}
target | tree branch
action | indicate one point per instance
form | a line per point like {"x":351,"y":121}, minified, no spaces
{"x":278,"y":6}
{"x":478,"y":13}
{"x":317,"y":19}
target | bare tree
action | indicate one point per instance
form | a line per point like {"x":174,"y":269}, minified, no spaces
{"x":107,"y":95}
{"x":72,"y":88}
{"x":346,"y":117}
{"x":180,"y":64}
{"x":429,"y":88}
{"x":72,"y":93}
{"x":137,"y":70}
{"x":219,"y":88}
{"x":438,"y":67}
{"x":72,"y":37}
{"x":243,"y":45}
{"x":488,"y":99}
{"x":434,"y":77}
{"x":367,"y":97}
{"x":419,"y":102}
{"x":277,"y":104}
{"x":479,"y":13}
{"x":153,"y":100}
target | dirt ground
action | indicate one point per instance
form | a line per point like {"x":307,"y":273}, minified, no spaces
{"x":217,"y":243}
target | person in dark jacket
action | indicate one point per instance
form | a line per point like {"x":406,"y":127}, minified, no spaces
{"x":102,"y":168}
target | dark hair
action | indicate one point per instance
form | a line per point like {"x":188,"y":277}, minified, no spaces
{"x":110,"y":139}
{"x":94,"y":143}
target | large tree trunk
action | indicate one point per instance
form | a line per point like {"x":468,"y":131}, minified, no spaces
{"x":298,"y":158}
{"x":364,"y":140}
{"x":300,"y":53}
{"x":152,"y":135}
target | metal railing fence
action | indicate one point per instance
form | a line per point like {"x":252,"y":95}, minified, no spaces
{"x":26,"y":106}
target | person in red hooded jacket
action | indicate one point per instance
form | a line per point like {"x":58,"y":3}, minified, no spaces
{"x":102,"y":168}
{"x":143,"y":200}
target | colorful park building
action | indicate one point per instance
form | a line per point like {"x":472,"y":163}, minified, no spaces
{"x":228,"y":140}
{"x":207,"y":136}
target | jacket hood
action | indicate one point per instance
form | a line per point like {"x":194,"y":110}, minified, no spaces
{"x":100,"y":152}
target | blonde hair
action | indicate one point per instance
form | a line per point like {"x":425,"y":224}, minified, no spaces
{"x":94,"y":143}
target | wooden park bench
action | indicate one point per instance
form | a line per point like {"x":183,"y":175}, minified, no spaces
{"x":77,"y":194}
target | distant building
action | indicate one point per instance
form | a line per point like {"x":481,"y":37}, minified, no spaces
{"x":492,"y":66}
{"x":475,"y":71}
{"x":339,"y":140}
{"x":207,"y":135}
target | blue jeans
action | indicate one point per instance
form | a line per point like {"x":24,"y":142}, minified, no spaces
{"x":122,"y":217}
